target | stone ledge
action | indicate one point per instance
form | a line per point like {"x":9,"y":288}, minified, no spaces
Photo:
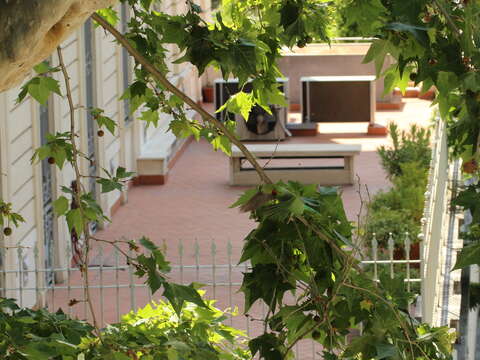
{"x":158,"y":156}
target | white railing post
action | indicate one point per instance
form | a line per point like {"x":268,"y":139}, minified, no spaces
{"x":434,"y":227}
{"x":407,"y":256}
{"x":375,"y":257}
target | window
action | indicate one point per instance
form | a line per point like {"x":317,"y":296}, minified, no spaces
{"x":47,"y":199}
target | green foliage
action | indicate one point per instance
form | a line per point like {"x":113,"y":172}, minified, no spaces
{"x":312,"y":288}
{"x":300,"y":252}
{"x":437,"y":44}
{"x":8,"y":216}
{"x":407,"y":192}
{"x":103,"y":120}
{"x":88,"y":211}
{"x":58,"y":147}
{"x":469,"y":199}
{"x":110,"y":15}
{"x":474,"y":296}
{"x":385,"y":221}
{"x":40,"y":87}
{"x":158,"y":331}
{"x":243,"y":40}
{"x":360,"y":18}
{"x":398,"y":210}
{"x":407,"y":147}
{"x":470,"y":255}
{"x":38,"y":334}
{"x":115,"y":182}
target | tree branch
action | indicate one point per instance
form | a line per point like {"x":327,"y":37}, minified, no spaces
{"x":77,"y":194}
{"x":449,"y":19}
{"x":174,"y":90}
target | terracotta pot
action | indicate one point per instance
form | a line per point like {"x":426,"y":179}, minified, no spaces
{"x":207,"y":94}
{"x":399,"y":254}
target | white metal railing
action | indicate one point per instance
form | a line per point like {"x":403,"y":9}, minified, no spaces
{"x":115,"y":290}
{"x":197,"y":265}
{"x":435,"y":224}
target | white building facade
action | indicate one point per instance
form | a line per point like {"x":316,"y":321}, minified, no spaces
{"x":100,"y":71}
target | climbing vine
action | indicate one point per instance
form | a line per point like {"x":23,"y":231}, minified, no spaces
{"x":303,"y":262}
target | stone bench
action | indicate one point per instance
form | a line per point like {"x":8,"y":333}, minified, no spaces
{"x":315,"y":154}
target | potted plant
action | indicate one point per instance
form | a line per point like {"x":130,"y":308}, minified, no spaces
{"x":207,"y":90}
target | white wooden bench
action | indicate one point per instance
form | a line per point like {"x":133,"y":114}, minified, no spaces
{"x":314,"y":173}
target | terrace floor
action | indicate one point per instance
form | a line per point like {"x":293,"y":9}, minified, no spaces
{"x":194,"y":203}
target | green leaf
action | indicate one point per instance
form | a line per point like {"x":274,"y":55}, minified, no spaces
{"x":175,"y":101}
{"x":297,"y":206}
{"x":38,"y":92}
{"x":40,"y":88}
{"x":366,"y":305}
{"x":75,"y":221}
{"x":472,"y":81}
{"x":109,"y":185}
{"x":107,"y":122}
{"x":152,"y":265}
{"x":245,"y":197}
{"x":160,"y":261}
{"x":377,"y":52}
{"x":42,"y":68}
{"x":268,"y":346}
{"x":385,"y":351}
{"x":110,"y":15}
{"x":183,"y":128}
{"x":470,"y":255}
{"x":122,"y":173}
{"x":51,"y":85}
{"x":151,"y":117}
{"x":60,"y":206}
{"x":179,"y":294}
{"x":60,"y":155}
{"x":446,"y":82}
{"x":223,"y":143}
{"x":120,"y":356}
{"x":263,"y":282}
{"x":8,"y":304}
{"x":240,"y":103}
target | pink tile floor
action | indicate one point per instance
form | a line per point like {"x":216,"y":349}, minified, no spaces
{"x":194,"y":202}
{"x":194,"y":206}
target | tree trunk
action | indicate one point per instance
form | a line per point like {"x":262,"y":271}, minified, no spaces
{"x":30,"y":30}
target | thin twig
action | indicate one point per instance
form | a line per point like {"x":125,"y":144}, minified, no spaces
{"x":273,"y":154}
{"x":77,"y":194}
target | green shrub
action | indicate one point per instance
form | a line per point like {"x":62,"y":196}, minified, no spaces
{"x":407,"y":147}
{"x":400,"y":209}
{"x":154,"y":332}
{"x":384,"y":221}
{"x":157,"y":332}
{"x":38,"y":334}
